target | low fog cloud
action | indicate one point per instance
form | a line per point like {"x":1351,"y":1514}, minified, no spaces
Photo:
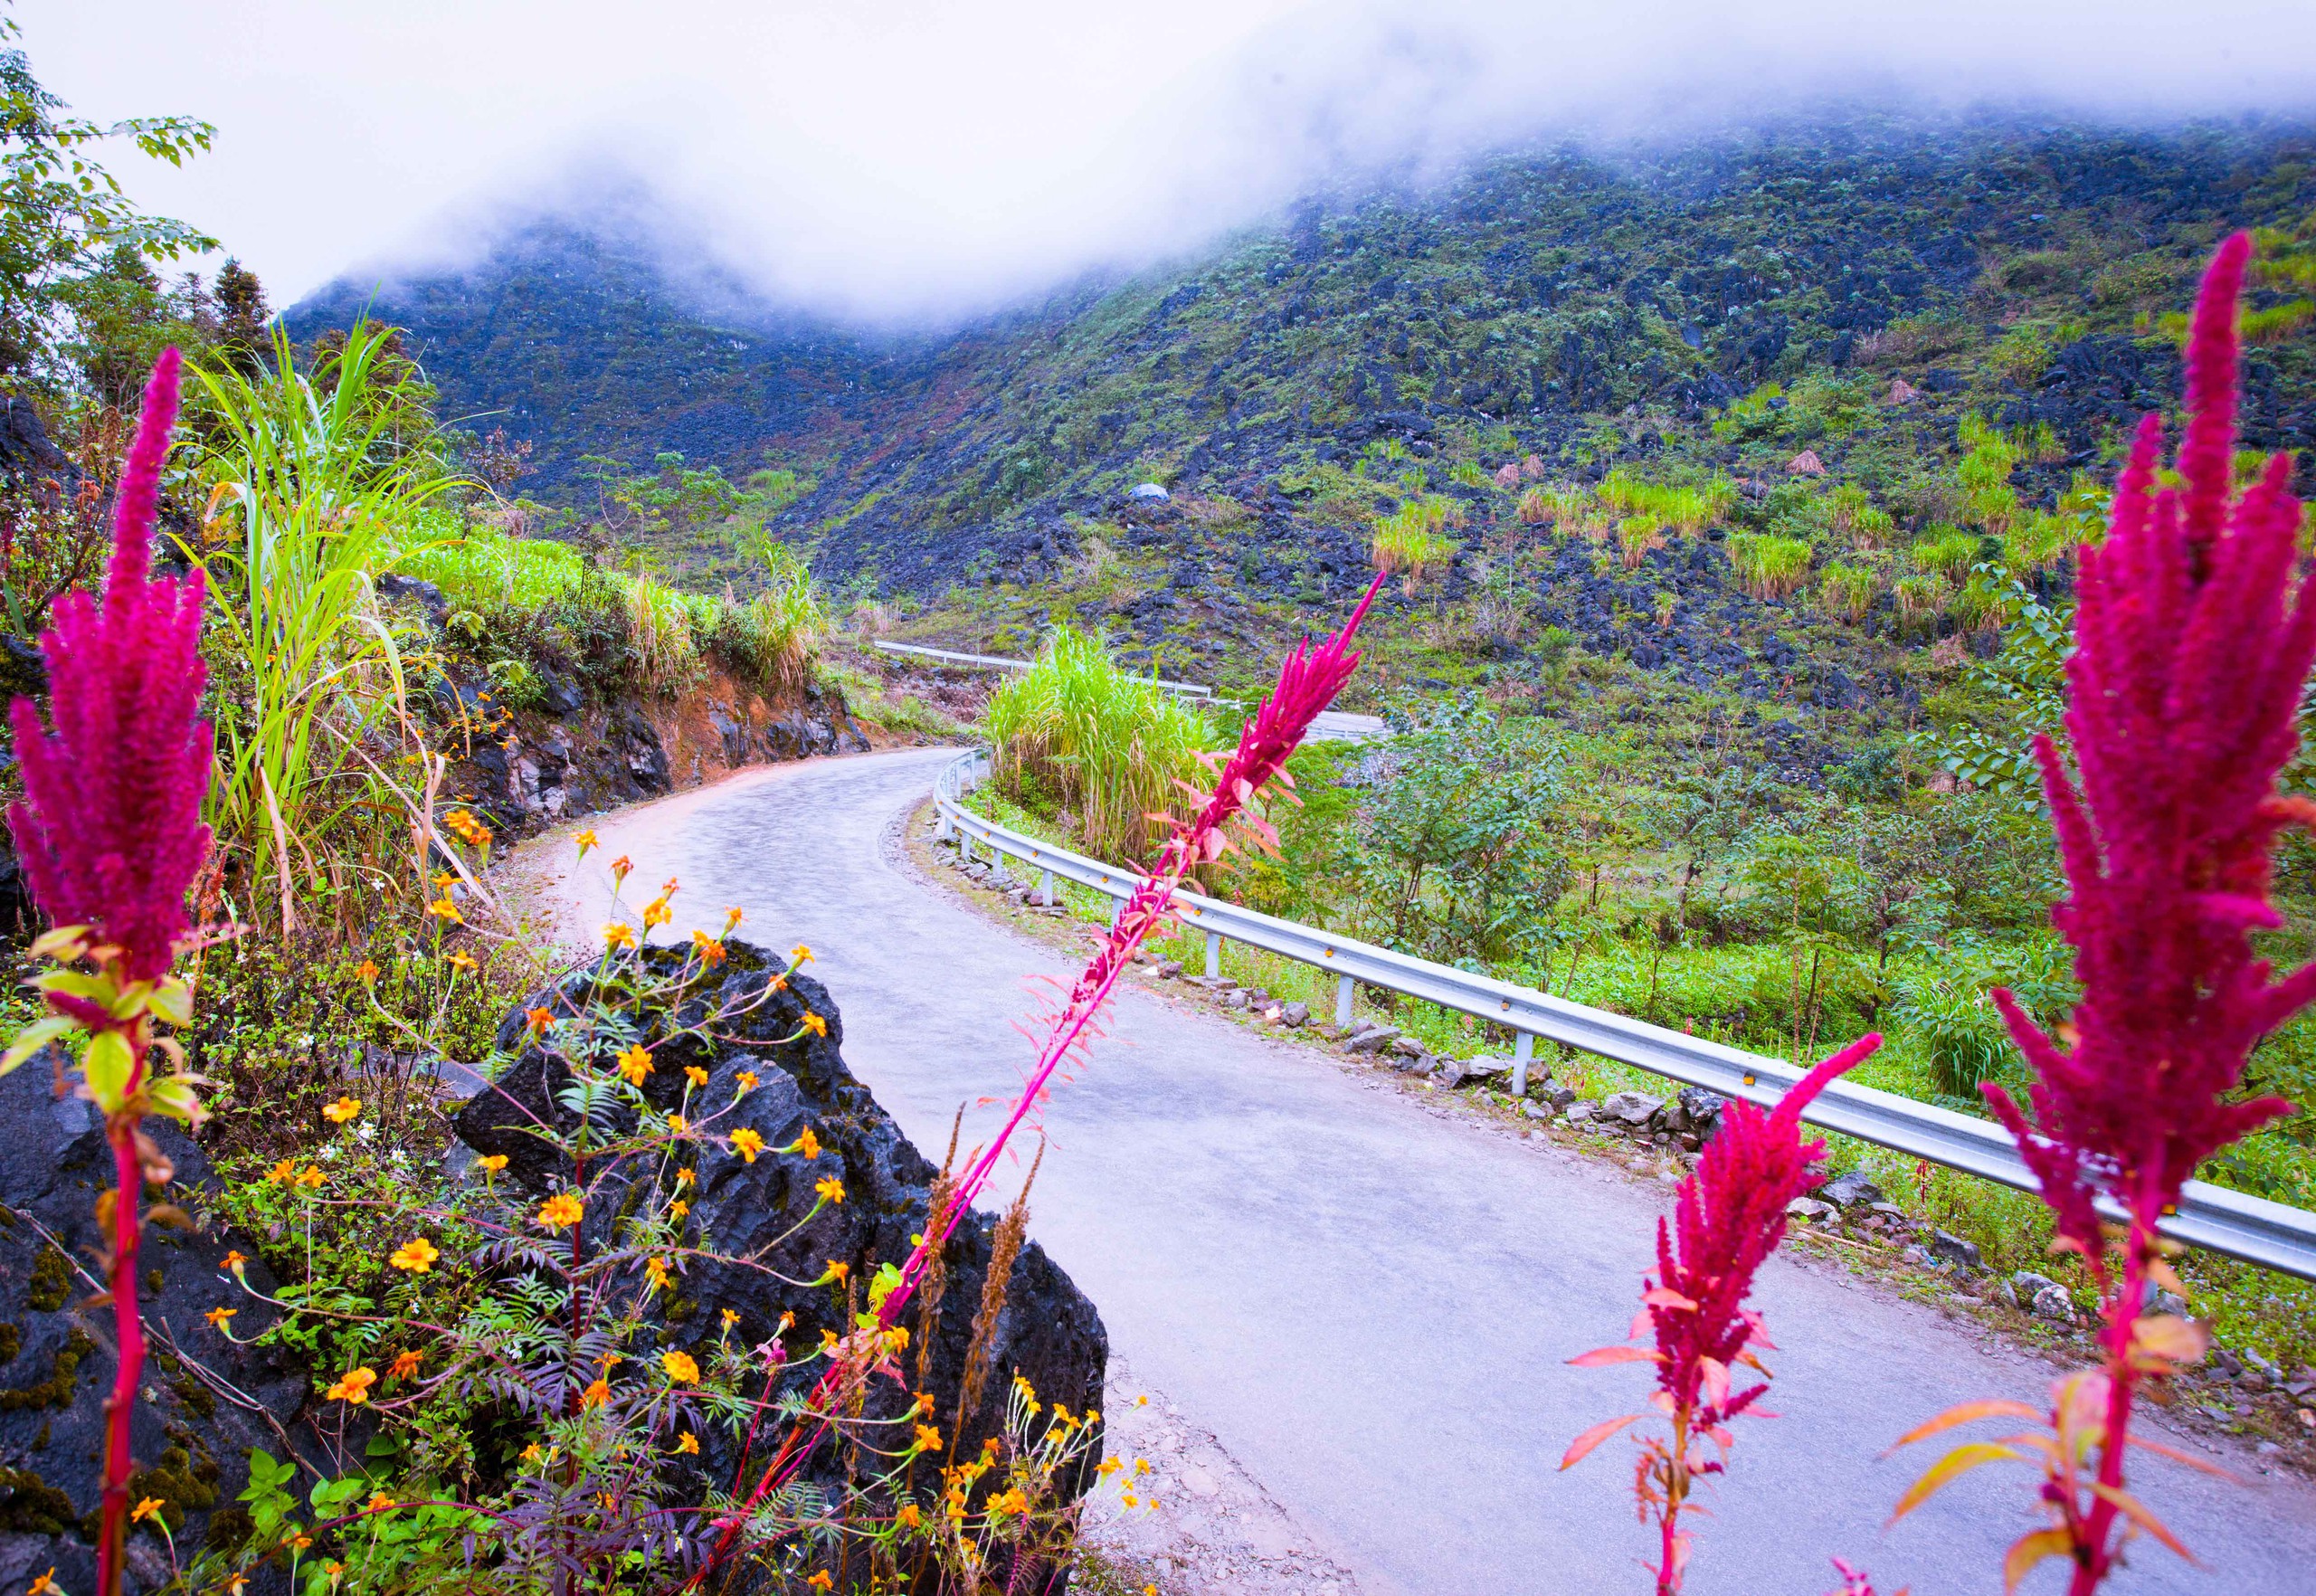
{"x":924,"y":160}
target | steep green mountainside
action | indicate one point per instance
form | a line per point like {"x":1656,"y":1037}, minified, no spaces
{"x":1805,"y":326}
{"x":572,"y":337}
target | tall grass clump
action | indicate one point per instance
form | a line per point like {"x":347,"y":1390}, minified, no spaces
{"x":662,"y":651}
{"x":1949,"y":552}
{"x":1846,"y":590}
{"x":1919,"y":599}
{"x":1077,"y":730}
{"x":1411,"y":540}
{"x":780,"y":628}
{"x":310,"y":492}
{"x":1769,"y":566}
{"x":1636,"y":535}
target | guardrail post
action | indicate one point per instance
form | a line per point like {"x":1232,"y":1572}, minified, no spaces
{"x":1524,"y":1048}
{"x":1045,"y":886}
{"x":1213,"y":955}
{"x":941,"y":825}
{"x":1342,"y":1001}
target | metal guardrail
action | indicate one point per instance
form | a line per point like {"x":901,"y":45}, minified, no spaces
{"x":999,"y":662}
{"x":2271,"y":1234}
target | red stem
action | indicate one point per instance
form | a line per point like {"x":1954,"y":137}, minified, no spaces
{"x":2093,"y":1562}
{"x":128,"y":1176}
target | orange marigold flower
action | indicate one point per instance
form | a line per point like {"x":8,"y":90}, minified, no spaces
{"x":696,"y":1075}
{"x":635,"y":1063}
{"x":597,"y":1394}
{"x":746,"y":1080}
{"x":490,"y":1163}
{"x":908,"y":1517}
{"x":928,"y":1439}
{"x":416,"y":1254}
{"x":45,"y":1585}
{"x":815,"y":1024}
{"x":586,"y":839}
{"x":821,"y":1581}
{"x":800,"y":954}
{"x":685,"y":1177}
{"x":831,"y":1189}
{"x":731,"y":1319}
{"x":234,"y":1261}
{"x":622,"y":866}
{"x":731,"y":918}
{"x":619,"y":934}
{"x":405,"y":1366}
{"x":284,"y":1172}
{"x":146,"y":1509}
{"x":353,"y":1386}
{"x":311,"y":1175}
{"x":657,"y":913}
{"x":539,"y":1019}
{"x":680,"y":1367}
{"x":442,"y":909}
{"x":678,"y":1124}
{"x":559,"y":1211}
{"x":838,"y":1270}
{"x":687,"y":1444}
{"x":218,"y":1316}
{"x":679,"y":1208}
{"x":463,"y":961}
{"x":808,"y":1144}
{"x":343,"y":1111}
{"x":747,"y":1143}
{"x":367,"y":970}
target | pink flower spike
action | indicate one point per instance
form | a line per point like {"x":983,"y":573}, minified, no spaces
{"x":109,"y":826}
{"x":2194,"y":637}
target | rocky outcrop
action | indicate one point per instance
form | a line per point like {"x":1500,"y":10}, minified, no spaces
{"x":561,"y":756}
{"x":1048,"y":1331}
{"x":207,"y":1400}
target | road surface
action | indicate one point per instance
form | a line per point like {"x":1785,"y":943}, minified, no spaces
{"x":1370,"y":1304}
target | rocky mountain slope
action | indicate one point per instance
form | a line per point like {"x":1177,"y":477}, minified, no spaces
{"x":1791,"y":311}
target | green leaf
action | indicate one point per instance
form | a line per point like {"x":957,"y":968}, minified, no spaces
{"x":172,"y":1002}
{"x":33,"y":1038}
{"x":106,"y":1068}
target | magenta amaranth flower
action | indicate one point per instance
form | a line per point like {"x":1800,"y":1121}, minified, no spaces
{"x":109,"y":826}
{"x":1729,"y":1216}
{"x":2192,"y":642}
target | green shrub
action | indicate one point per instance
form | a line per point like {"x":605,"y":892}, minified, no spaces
{"x":1961,"y":1032}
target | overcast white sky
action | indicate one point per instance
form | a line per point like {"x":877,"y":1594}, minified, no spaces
{"x":915,"y":156}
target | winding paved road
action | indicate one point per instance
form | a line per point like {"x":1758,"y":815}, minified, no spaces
{"x":1372,"y":1305}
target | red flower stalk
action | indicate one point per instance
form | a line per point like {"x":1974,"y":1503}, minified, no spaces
{"x":109,"y":826}
{"x":2193,"y":640}
{"x":1308,"y":680}
{"x":109,"y":830}
{"x":1731,"y":1216}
